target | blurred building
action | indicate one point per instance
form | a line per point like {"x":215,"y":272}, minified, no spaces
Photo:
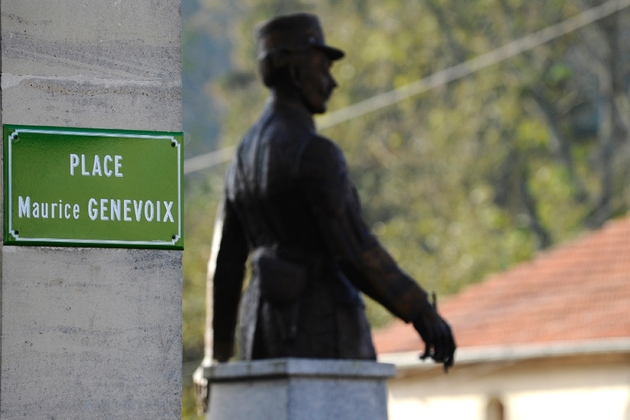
{"x":549,"y":339}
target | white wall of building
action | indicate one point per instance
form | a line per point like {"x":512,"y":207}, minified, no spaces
{"x":578,"y":388}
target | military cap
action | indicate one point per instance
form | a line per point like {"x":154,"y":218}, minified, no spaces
{"x":294,"y":32}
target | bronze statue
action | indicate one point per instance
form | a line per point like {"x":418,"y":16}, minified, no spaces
{"x":290,"y":207}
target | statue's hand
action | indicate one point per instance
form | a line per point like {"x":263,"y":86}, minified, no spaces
{"x":437,"y":337}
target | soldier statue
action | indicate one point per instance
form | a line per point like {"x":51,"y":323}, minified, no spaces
{"x":290,"y":208}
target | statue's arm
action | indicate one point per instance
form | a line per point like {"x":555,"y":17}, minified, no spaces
{"x":227,"y":269}
{"x":325,"y":182}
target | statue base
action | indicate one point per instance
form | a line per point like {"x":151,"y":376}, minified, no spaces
{"x":299,"y":389}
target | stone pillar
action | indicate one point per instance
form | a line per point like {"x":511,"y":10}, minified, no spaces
{"x":299,"y":389}
{"x":91,"y":333}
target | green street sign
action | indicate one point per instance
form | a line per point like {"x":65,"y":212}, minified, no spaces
{"x":89,"y":187}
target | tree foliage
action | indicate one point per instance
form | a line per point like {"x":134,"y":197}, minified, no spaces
{"x":469,"y":178}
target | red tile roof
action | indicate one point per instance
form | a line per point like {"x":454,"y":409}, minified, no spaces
{"x":579,"y":291}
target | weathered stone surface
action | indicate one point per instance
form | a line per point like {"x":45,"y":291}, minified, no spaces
{"x":92,"y":64}
{"x":91,"y":333}
{"x":299,"y":389}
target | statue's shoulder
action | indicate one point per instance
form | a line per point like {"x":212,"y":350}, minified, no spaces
{"x":321,"y":150}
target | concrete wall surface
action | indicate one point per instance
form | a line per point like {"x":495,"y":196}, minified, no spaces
{"x":91,"y":333}
{"x":91,"y":63}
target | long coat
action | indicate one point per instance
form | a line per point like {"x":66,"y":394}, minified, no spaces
{"x":290,"y":207}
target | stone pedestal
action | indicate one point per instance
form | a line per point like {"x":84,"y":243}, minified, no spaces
{"x":299,"y":389}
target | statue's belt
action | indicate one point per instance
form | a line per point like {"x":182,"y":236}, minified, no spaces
{"x":281,"y":281}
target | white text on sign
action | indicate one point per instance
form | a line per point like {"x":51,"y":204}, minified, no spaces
{"x":102,"y":209}
{"x":98,"y":169}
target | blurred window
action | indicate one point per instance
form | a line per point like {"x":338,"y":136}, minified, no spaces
{"x":495,"y":409}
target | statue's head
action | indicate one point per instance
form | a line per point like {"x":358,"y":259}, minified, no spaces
{"x":292,"y":55}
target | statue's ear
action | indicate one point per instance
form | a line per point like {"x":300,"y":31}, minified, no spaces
{"x":294,"y":73}
{"x":270,"y":64}
{"x":280,"y":58}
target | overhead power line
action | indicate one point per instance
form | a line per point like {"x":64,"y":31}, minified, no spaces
{"x":208,"y":160}
{"x":440,"y":78}
{"x":473,"y":65}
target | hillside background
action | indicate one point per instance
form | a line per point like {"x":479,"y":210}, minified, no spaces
{"x":458,"y":182}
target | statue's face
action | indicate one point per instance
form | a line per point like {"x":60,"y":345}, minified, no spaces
{"x":315,"y":81}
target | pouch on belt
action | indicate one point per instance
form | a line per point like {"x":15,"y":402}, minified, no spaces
{"x":282,"y":284}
